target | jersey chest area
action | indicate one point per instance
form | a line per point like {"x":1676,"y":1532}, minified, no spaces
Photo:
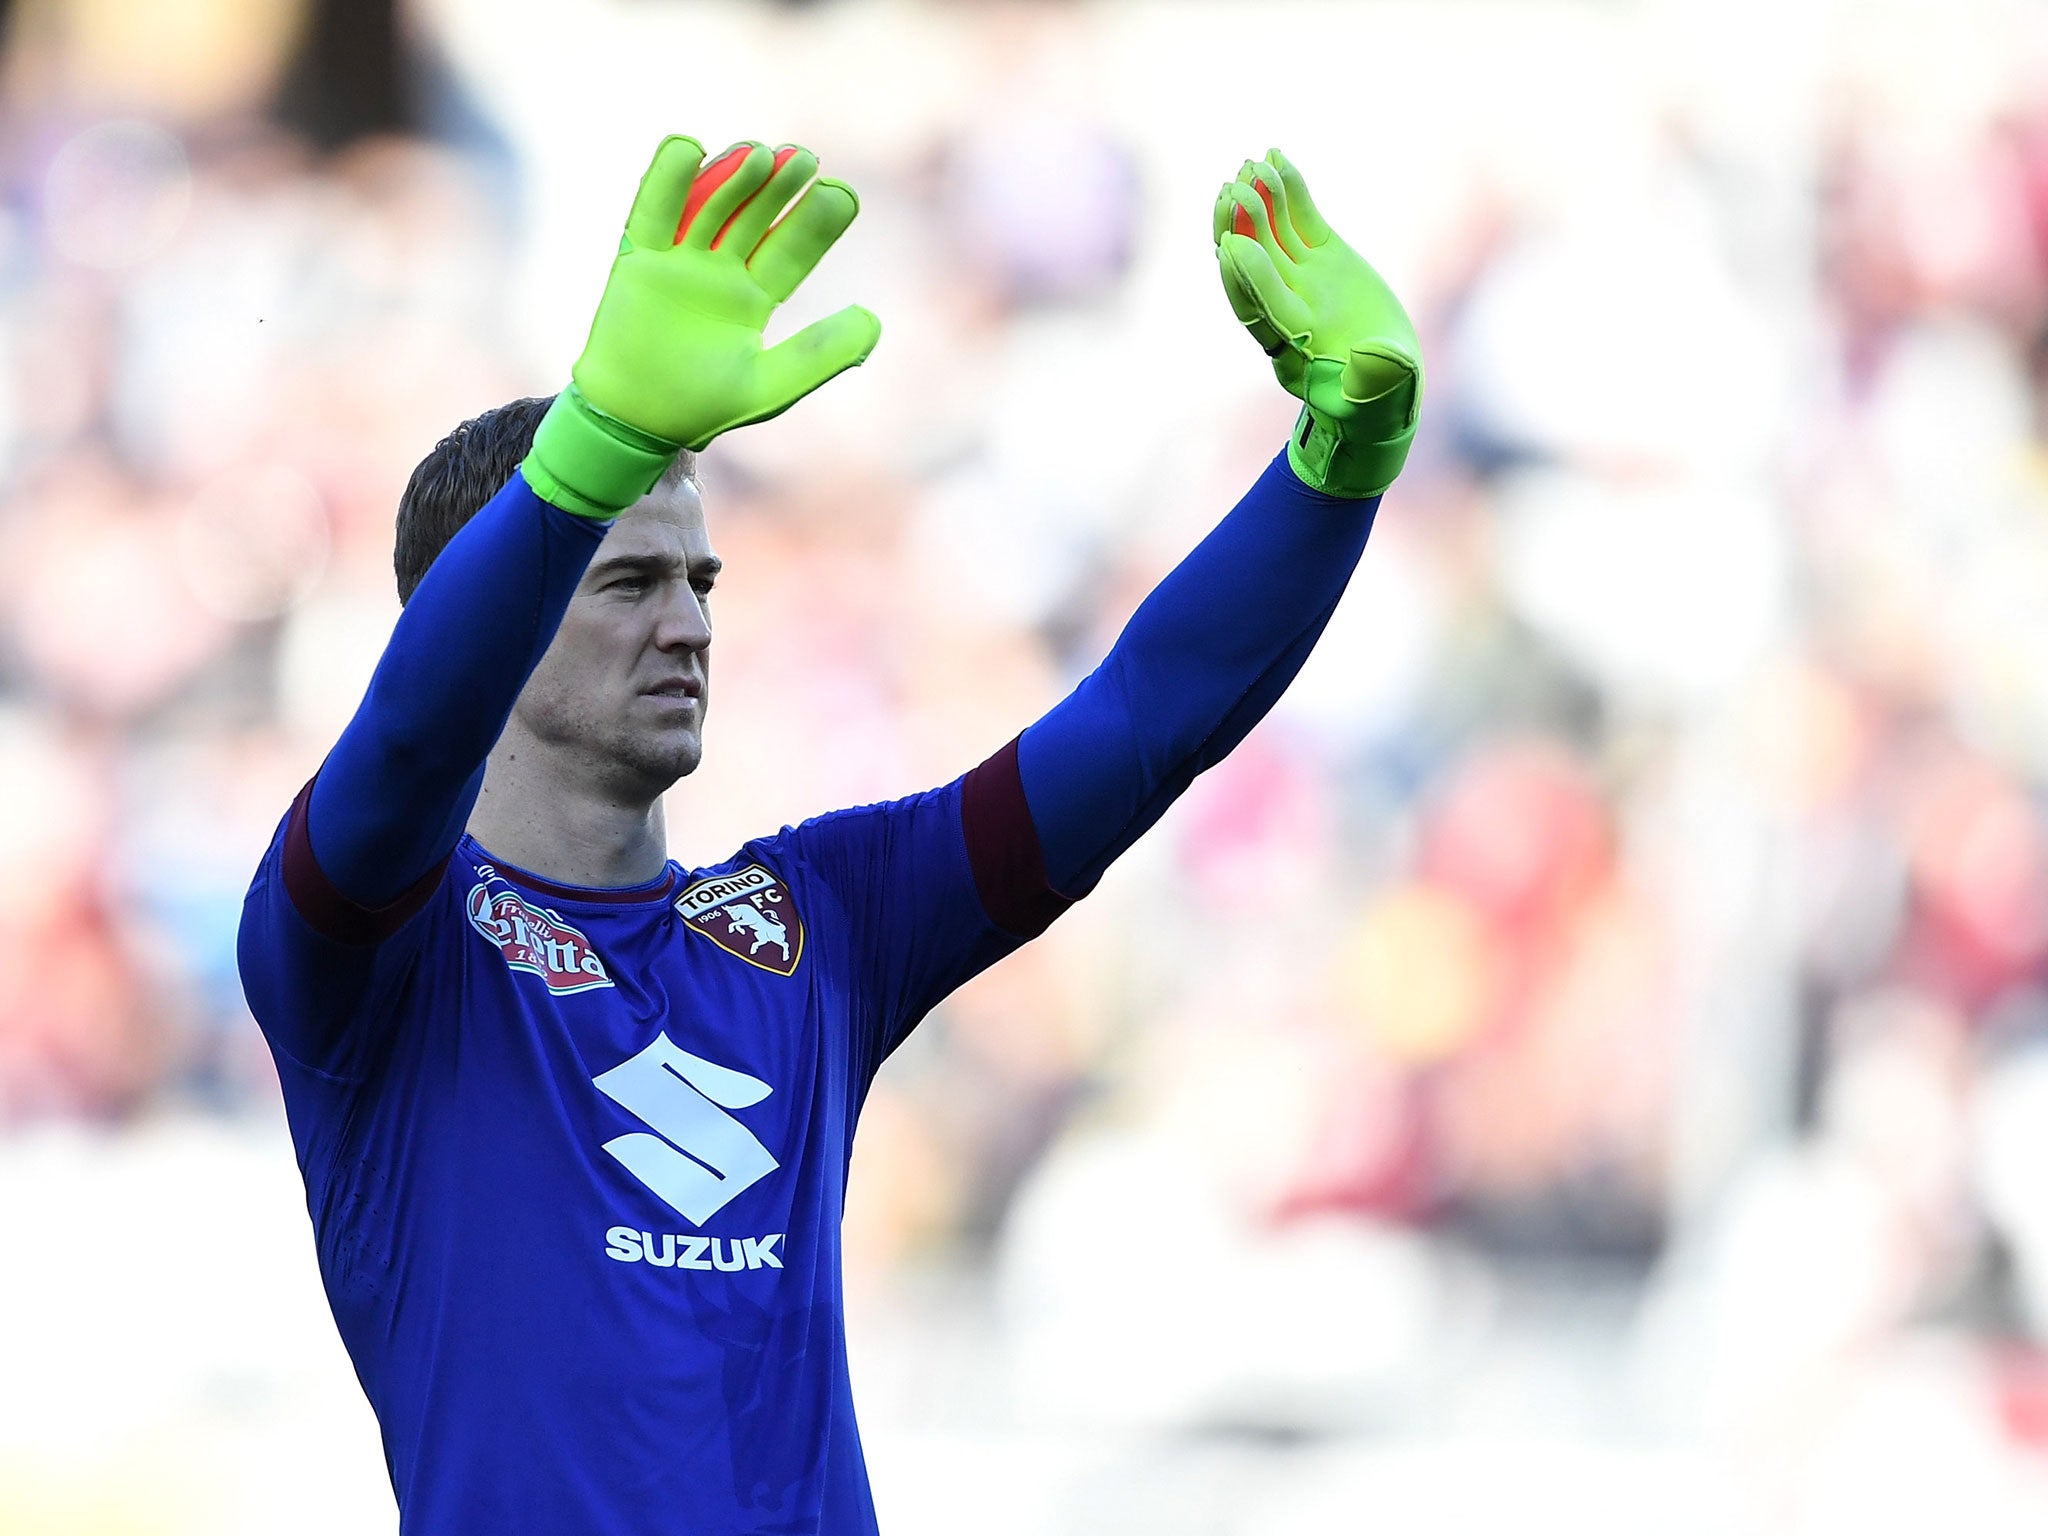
{"x":731,"y":952}
{"x":690,"y":1052}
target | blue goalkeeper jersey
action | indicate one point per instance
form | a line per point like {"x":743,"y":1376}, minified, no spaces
{"x":576,"y":1158}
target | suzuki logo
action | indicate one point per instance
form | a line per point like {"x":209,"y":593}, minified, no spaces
{"x":703,"y":1157}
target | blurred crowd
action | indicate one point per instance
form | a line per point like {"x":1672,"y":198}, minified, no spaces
{"x":1647,"y":881}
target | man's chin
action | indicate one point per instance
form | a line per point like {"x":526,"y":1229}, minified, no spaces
{"x":649,"y":768}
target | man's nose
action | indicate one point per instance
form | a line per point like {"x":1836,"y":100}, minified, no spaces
{"x":684,"y":625}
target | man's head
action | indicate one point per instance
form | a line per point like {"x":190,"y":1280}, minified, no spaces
{"x":466,"y":469}
{"x":617,"y":702}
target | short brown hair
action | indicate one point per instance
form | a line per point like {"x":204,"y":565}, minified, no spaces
{"x":463,"y":471}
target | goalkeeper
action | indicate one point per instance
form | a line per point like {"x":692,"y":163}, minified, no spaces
{"x":573,"y":1119}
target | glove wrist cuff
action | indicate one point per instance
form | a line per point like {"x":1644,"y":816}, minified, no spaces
{"x":1345,"y":446}
{"x":591,"y":464}
{"x":1328,"y":462}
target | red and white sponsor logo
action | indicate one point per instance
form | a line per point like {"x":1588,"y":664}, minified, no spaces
{"x":535,"y":940}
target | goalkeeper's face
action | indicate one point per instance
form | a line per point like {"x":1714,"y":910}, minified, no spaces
{"x":618,"y":701}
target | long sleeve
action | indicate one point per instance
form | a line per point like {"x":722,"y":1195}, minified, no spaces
{"x":393,"y":796}
{"x":1200,"y":663}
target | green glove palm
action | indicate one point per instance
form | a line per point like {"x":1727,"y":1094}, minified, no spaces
{"x":1339,"y":339}
{"x":676,"y":354}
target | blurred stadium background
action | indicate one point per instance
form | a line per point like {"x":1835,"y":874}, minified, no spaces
{"x":1583,"y":1064}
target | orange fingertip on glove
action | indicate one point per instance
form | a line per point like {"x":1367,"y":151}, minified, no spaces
{"x":713,"y":176}
{"x":1242,"y":224}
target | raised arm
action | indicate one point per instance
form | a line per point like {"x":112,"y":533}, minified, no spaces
{"x":1216,"y":643}
{"x":675,"y":357}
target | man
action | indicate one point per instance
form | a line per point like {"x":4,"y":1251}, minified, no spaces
{"x":574,"y":1121}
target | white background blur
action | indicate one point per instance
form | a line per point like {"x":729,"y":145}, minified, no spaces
{"x":1581,"y":1066}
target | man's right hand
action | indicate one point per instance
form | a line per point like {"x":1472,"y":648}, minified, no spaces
{"x":1340,"y":341}
{"x":676,"y":355}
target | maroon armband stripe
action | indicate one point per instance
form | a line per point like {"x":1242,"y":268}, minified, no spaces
{"x":326,"y":910}
{"x":1003,"y":848}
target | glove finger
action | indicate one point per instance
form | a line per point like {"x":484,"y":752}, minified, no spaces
{"x":822,"y":350}
{"x":1252,"y":210}
{"x":1301,"y":208}
{"x":1278,"y":305}
{"x":709,"y":179}
{"x":789,"y":251}
{"x":1245,"y":305}
{"x":794,"y":166}
{"x":1231,"y":218}
{"x":658,"y":205}
{"x":1272,"y":190}
{"x":1225,"y":216}
{"x":732,"y":178}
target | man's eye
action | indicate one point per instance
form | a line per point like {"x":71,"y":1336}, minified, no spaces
{"x":703,"y":588}
{"x":631,"y":586}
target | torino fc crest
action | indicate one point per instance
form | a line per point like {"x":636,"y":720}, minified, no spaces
{"x":536,"y":940}
{"x":747,"y":913}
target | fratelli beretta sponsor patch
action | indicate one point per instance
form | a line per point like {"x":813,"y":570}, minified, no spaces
{"x":533,"y":939}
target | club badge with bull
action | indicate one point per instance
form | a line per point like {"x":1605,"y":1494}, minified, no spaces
{"x":747,"y":913}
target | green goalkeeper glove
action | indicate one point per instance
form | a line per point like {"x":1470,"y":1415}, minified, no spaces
{"x":675,"y":355}
{"x":1339,"y":339}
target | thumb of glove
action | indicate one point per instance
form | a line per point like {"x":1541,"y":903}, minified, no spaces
{"x":1381,"y":387}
